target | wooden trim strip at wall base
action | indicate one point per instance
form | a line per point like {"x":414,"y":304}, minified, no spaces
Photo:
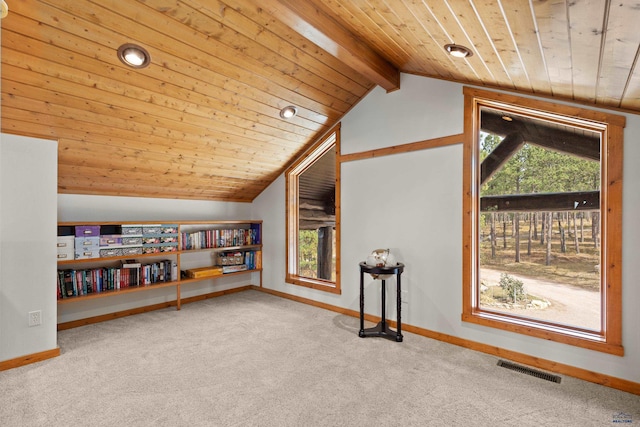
{"x":112,"y":316}
{"x":548,"y":365}
{"x":29,"y":359}
{"x":148,"y":308}
{"x":217,"y":294}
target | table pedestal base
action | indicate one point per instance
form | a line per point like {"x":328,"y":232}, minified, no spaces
{"x":381,"y":330}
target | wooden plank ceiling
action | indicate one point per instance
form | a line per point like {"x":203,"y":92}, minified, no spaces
{"x":202,"y":120}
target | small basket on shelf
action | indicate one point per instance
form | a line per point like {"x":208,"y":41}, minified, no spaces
{"x":230,"y":258}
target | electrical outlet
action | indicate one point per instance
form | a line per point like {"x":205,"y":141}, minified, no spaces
{"x":35,"y":318}
{"x":404,"y":297}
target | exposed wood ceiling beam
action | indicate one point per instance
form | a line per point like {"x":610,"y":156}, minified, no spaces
{"x":499,"y":156}
{"x":577,"y":201}
{"x":313,"y":24}
{"x":582,"y":144}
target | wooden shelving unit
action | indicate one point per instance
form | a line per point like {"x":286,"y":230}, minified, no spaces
{"x":181,"y":256}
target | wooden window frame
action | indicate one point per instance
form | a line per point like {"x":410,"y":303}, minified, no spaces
{"x":330,"y":141}
{"x":609,"y":338}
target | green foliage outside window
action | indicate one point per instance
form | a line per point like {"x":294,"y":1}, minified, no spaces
{"x":535,"y":169}
{"x":308,"y":253}
{"x":512,"y":287}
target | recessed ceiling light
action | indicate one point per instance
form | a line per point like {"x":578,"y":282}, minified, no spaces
{"x":507,"y":118}
{"x":458,"y":51}
{"x":133,"y":55}
{"x":288,"y":112}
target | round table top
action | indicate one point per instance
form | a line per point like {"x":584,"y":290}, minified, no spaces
{"x":372,"y":269}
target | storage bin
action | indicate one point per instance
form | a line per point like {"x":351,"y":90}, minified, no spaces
{"x":132,"y":251}
{"x":87,"y":230}
{"x":86,"y":253}
{"x":66,"y":248}
{"x":131,"y":230}
{"x":131,"y":241}
{"x":151,"y":230}
{"x":150,"y":240}
{"x":107,"y":230}
{"x":111,"y":240}
{"x":90,"y":243}
{"x":66,"y":254}
{"x":65,"y":243}
{"x":169,"y":229}
{"x":66,"y":230}
{"x":110,"y":252}
{"x":169,"y":248}
{"x":169,"y":238}
{"x":159,"y":229}
{"x":159,"y":248}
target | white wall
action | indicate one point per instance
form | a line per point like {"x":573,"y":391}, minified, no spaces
{"x":73,"y":207}
{"x":78,"y":208}
{"x":412,"y":204}
{"x":28,"y":177}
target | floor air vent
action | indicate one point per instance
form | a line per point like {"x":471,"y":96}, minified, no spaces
{"x":530,"y":371}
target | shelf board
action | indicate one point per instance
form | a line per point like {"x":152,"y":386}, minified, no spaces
{"x":116,"y":258}
{"x":157,"y":255}
{"x":220,"y":222}
{"x":223,"y":249}
{"x":113,"y":292}
{"x":235,"y":273}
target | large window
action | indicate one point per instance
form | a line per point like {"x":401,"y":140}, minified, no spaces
{"x":313,"y":225}
{"x":542,"y":223}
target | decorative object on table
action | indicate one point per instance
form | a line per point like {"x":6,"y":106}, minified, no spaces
{"x":381,"y":258}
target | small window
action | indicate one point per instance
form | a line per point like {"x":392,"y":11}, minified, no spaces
{"x":313,"y":226}
{"x":542,"y":224}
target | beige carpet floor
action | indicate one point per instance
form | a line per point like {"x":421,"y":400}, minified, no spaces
{"x":252,"y":359}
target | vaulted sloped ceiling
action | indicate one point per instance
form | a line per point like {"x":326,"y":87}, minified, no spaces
{"x":202,"y":120}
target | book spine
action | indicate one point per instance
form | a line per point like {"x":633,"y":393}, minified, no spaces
{"x":60,"y":284}
{"x":77,"y":284}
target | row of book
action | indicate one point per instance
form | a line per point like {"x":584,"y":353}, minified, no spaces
{"x":73,"y":282}
{"x":253,"y":260}
{"x":132,"y":273}
{"x":219,"y":238}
